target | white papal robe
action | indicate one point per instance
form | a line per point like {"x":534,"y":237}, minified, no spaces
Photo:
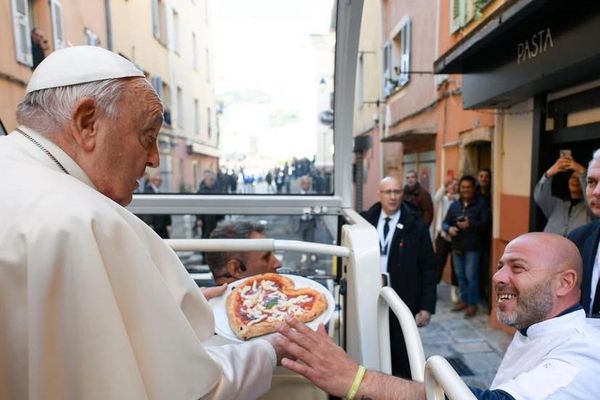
{"x":93,"y":305}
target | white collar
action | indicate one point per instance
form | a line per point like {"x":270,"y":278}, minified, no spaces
{"x":557,"y":325}
{"x":67,"y":162}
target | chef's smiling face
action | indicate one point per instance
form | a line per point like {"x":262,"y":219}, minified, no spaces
{"x":523,"y":285}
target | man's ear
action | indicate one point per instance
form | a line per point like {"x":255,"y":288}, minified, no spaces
{"x":84,"y":127}
{"x":566,"y":282}
{"x":235,"y":268}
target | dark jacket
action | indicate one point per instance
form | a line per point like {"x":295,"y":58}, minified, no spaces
{"x":586,"y":239}
{"x":158,"y":222}
{"x":420,"y":200}
{"x":411,"y":261}
{"x":470,"y":239}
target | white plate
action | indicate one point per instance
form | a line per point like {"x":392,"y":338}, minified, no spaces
{"x":222,"y":322}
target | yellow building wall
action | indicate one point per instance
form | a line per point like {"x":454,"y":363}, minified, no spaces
{"x":77,"y":15}
{"x":132,"y":36}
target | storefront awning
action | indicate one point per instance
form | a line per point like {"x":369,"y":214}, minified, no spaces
{"x":526,"y":48}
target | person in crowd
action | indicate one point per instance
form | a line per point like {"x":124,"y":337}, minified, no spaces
{"x":483,"y":192}
{"x":206,"y":223}
{"x":161,"y":223}
{"x":418,"y":197}
{"x":229,"y":266}
{"x":466,"y":222}
{"x":567,"y":210}
{"x":446,"y":195}
{"x":39,"y":46}
{"x":94,"y":304}
{"x":269,"y":181}
{"x":587,"y":238}
{"x":407,"y":256}
{"x":554,"y":355}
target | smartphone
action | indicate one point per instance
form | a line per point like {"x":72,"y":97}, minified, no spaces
{"x":565,"y":153}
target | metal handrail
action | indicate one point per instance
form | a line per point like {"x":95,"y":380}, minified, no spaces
{"x":256,"y":245}
{"x":388,"y":298}
{"x":441,"y":380}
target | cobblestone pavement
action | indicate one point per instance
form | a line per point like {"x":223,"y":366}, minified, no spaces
{"x":471,"y":341}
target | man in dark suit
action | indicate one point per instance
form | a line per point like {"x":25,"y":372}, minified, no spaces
{"x":586,"y":238}
{"x":159,"y":222}
{"x":407,"y":256}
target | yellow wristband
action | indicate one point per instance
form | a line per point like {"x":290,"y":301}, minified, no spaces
{"x":360,"y":374}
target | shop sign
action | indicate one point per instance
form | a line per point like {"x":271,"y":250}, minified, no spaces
{"x":538,"y":43}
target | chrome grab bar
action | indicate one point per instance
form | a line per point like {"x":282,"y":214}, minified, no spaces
{"x":442,"y":380}
{"x":256,"y":245}
{"x":414,"y":346}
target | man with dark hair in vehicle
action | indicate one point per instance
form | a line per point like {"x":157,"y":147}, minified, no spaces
{"x":229,"y":266}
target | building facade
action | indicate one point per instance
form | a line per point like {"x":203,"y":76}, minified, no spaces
{"x":539,"y":69}
{"x":59,"y":22}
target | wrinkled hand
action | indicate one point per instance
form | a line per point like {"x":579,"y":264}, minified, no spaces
{"x":319,"y":359}
{"x":453,"y":231}
{"x":422,"y":318}
{"x":212,"y":292}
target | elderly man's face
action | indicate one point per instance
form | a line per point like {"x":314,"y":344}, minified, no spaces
{"x":127,"y":145}
{"x":260,"y":262}
{"x":305,"y":184}
{"x":523,"y":284}
{"x":390,"y":195}
{"x":592,"y":188}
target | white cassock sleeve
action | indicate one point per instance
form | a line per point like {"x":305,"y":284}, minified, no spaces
{"x":101,"y":308}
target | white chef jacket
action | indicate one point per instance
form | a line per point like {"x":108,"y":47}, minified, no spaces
{"x":558,"y":359}
{"x":93,"y":304}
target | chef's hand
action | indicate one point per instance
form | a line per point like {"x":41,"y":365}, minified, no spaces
{"x":212,"y":292}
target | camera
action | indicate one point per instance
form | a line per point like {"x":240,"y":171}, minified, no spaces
{"x":461,"y":218}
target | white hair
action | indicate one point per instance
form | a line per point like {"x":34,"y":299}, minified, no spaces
{"x":595,"y":158}
{"x":48,"y":110}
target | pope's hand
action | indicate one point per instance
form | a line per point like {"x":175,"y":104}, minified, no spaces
{"x":212,"y":292}
{"x":318,"y":358}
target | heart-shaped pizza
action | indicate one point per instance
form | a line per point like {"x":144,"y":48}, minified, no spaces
{"x":258,"y":305}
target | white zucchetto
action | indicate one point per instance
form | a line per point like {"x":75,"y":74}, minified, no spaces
{"x":80,"y":64}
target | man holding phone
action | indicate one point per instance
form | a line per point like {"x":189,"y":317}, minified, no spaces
{"x":466,"y":222}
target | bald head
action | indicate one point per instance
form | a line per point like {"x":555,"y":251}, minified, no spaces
{"x":538,"y":277}
{"x":555,"y":253}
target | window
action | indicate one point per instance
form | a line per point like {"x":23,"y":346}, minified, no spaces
{"x":91,"y":38}
{"x":176,"y":38}
{"x":396,"y":59}
{"x":194,"y":51}
{"x":57,"y":24}
{"x":464,"y":11}
{"x":179,"y":107}
{"x":21,"y":31}
{"x":196,"y":117}
{"x":159,"y":21}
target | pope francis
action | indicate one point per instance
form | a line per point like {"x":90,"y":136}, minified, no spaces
{"x":93,"y":305}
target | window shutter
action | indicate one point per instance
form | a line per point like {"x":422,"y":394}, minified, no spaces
{"x":388,"y":87}
{"x":405,"y":57}
{"x":21,"y":31}
{"x":155,"y":19}
{"x":455,"y":15}
{"x":57,"y":24}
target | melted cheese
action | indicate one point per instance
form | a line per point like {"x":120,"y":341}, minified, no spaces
{"x":257,"y":298}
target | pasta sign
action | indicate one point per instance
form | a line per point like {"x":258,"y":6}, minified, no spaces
{"x":538,"y":43}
